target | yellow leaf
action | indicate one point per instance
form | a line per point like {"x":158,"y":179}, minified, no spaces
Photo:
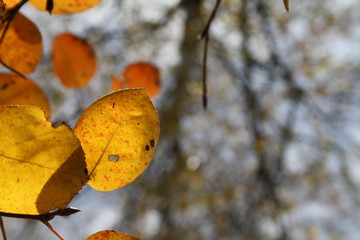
{"x":143,"y":75}
{"x":15,"y":90}
{"x":66,"y":6}
{"x":21,"y":48}
{"x":41,"y":168}
{"x":118,"y":133}
{"x":73,"y":60}
{"x":111,"y":235}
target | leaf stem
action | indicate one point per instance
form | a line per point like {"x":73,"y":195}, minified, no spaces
{"x":53,"y":229}
{"x":2,"y":229}
{"x":12,"y":70}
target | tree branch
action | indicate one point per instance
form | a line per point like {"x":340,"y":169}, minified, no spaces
{"x":45,"y":216}
{"x":2,"y":229}
{"x":205,"y":35}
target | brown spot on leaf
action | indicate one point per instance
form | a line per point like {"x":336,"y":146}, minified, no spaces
{"x":4,"y":86}
{"x":152,"y":142}
{"x":147,"y":147}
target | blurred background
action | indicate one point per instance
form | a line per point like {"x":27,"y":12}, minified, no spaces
{"x":276,"y":153}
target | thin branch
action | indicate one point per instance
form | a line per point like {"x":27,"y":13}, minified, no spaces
{"x":12,"y":70}
{"x":287,"y":5}
{"x":49,"y":5}
{"x":53,"y":229}
{"x":45,"y":216}
{"x":204,"y":72}
{"x":2,"y":229}
{"x":205,"y":35}
{"x":209,"y":22}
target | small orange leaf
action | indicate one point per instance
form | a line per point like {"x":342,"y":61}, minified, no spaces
{"x":116,"y":83}
{"x":111,"y":235}
{"x":143,"y":75}
{"x":15,"y":90}
{"x":42,"y":168}
{"x":73,"y":60}
{"x":118,"y":133}
{"x":66,"y":6}
{"x":22,"y":47}
{"x":11,"y":3}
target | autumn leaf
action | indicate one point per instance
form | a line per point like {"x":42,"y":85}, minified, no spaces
{"x":73,"y":60}
{"x":116,"y":83}
{"x":15,"y":90}
{"x":21,"y":49}
{"x":11,"y":3}
{"x":111,"y":235}
{"x":66,"y":6}
{"x":41,"y":168}
{"x":143,"y":75}
{"x":118,"y":133}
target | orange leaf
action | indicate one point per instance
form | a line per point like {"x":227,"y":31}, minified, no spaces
{"x":143,"y":75}
{"x":111,"y":235}
{"x":2,"y":12}
{"x":73,"y":60}
{"x":66,"y":6}
{"x":116,"y":83}
{"x":14,"y":90}
{"x":118,"y":134}
{"x":11,"y":3}
{"x":21,"y":48}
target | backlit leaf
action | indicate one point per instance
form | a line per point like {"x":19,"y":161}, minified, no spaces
{"x":11,"y":3}
{"x":111,"y":235}
{"x":66,"y":6}
{"x":21,"y":48}
{"x":15,"y":90}
{"x":118,"y":133}
{"x":116,"y":83}
{"x":41,"y":168}
{"x":73,"y":60}
{"x":143,"y":75}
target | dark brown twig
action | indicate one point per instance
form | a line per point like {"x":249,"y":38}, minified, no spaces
{"x":287,"y":5}
{"x":12,"y":70}
{"x":2,"y":229}
{"x":204,"y":72}
{"x":205,"y":35}
{"x":49,"y":5}
{"x":45,"y":216}
{"x":211,"y":18}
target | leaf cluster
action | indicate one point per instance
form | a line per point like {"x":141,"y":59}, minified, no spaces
{"x":41,"y":167}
